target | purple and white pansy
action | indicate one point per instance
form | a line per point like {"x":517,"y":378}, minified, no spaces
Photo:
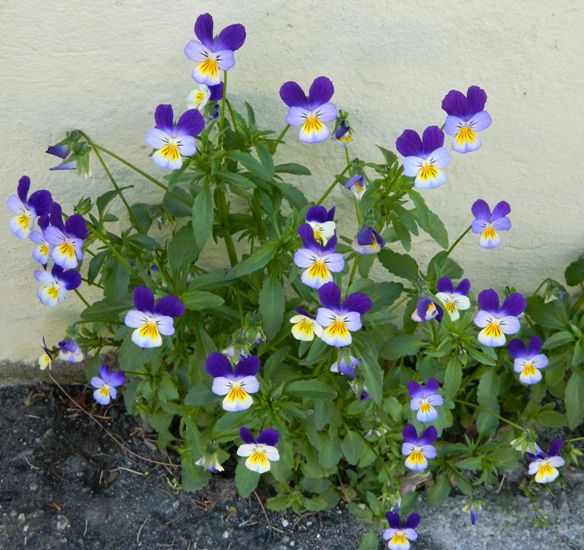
{"x":466,"y":117}
{"x":425,"y":399}
{"x":368,"y":241}
{"x":318,"y":262}
{"x":236,"y":383}
{"x":418,"y":450}
{"x":544,"y":466}
{"x":55,"y":284}
{"x":260,"y":452}
{"x":199,"y":97}
{"x":497,"y":321}
{"x":172,"y":141}
{"x":42,"y":250}
{"x":312,"y":111}
{"x":424,"y":158}
{"x":213,"y":54}
{"x":340,"y":319}
{"x":152,"y":320}
{"x":322,"y":222}
{"x":343,"y":133}
{"x":426,"y":310}
{"x":357,"y":185}
{"x":453,"y":299}
{"x":528,"y":360}
{"x":106,"y":384}
{"x":62,"y":152}
{"x":489,"y":224}
{"x":347,"y":366}
{"x":66,"y":238}
{"x":70,"y":352}
{"x":400,"y":533}
{"x":26,"y":209}
{"x":305,"y":326}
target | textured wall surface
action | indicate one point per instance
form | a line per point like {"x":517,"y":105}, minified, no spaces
{"x":104,"y":65}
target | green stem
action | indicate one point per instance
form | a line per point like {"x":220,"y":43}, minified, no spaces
{"x":455,"y":243}
{"x":222,"y":113}
{"x":85,"y":280}
{"x":223,"y":212}
{"x":353,"y":270}
{"x":347,"y":156}
{"x":399,"y":303}
{"x":280,"y":138}
{"x":112,"y":249}
{"x":574,"y":439}
{"x":479,"y":408}
{"x":332,"y":185}
{"x":87,"y":304}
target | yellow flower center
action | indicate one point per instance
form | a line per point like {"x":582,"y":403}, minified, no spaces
{"x":209,"y":67}
{"x":24,"y":221}
{"x":398,"y":538}
{"x":425,"y":407}
{"x":104,"y":390}
{"x":237,"y":393}
{"x":170,"y":151}
{"x":465,"y":135}
{"x":528,"y":369}
{"x":312,"y":124}
{"x":199,"y":97}
{"x":53,"y":292}
{"x":544,"y":470}
{"x":67,"y":249}
{"x":44,"y":249}
{"x":318,"y":270}
{"x":259,"y":457}
{"x":493,"y":329}
{"x":149,"y":330}
{"x":416,"y":457}
{"x":338,"y":328}
{"x":489,"y":233}
{"x":305,"y":326}
{"x":450,"y":306}
{"x":428,"y":172}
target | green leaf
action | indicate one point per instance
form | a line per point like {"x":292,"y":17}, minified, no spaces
{"x":370,"y":540}
{"x":487,"y":391}
{"x":182,"y":249}
{"x":200,"y":395}
{"x":574,"y":273}
{"x":237,"y":180}
{"x":271,"y":306}
{"x":292,"y":168}
{"x":246,"y":481}
{"x":439,"y":491}
{"x":202,"y":216}
{"x":256,"y":261}
{"x":265,"y":157}
{"x":167,"y":390}
{"x":311,"y":389}
{"x":429,"y":221}
{"x":197,"y":300}
{"x":315,"y":504}
{"x":452,"y":378}
{"x":441,"y":265}
{"x":330,"y":452}
{"x":551,"y":315}
{"x":352,"y":446}
{"x":551,"y":419}
{"x":574,"y":399}
{"x":251,"y":164}
{"x":389,"y":156}
{"x":142,"y":217}
{"x":558,"y":339}
{"x":193,"y":478}
{"x":371,"y":372}
{"x":95,"y":265}
{"x":293,"y":195}
{"x":115,"y":280}
{"x":174,"y":206}
{"x":105,"y":312}
{"x":401,"y":346}
{"x":402,"y":265}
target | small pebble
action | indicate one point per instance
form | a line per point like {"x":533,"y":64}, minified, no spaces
{"x":308,"y":523}
{"x":225,"y":534}
{"x":285,"y":523}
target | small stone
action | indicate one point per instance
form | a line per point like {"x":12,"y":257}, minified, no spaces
{"x":285,"y":523}
{"x":62,"y":523}
{"x":308,"y":523}
{"x":225,"y":534}
{"x":20,"y":517}
{"x":292,"y":543}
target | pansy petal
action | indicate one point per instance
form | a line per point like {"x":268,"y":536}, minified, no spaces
{"x":432,"y":139}
{"x":330,"y":296}
{"x":359,"y":302}
{"x":463,"y":287}
{"x":23,"y":187}
{"x":247,"y":367}
{"x":510,"y":324}
{"x":163,"y":116}
{"x":454,"y":103}
{"x":555,"y":448}
{"x":156,"y":138}
{"x":41,"y":202}
{"x":190,"y":123}
{"x":476,"y":98}
{"x":412,"y":521}
{"x":409,"y":433}
{"x":444,"y":284}
{"x":293,"y":96}
{"x":440,"y":158}
{"x":70,"y":278}
{"x":204,"y":29}
{"x":296,"y":116}
{"x":516,"y":349}
{"x":269,"y":437}
{"x":246,"y":436}
{"x":217,"y":364}
{"x":165,"y":325}
{"x":77,"y":226}
{"x":231,"y":38}
{"x":144,"y":299}
{"x":481,"y":121}
{"x":411,"y":165}
{"x":481,"y":211}
{"x":488,"y":300}
{"x":429,"y":436}
{"x":409,"y":144}
{"x":514,"y":304}
{"x":225,"y":61}
{"x":321,"y":91}
{"x":170,"y":306}
{"x":247,"y":449}
{"x":501,"y":209}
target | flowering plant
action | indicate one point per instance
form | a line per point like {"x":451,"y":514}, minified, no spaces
{"x":363,"y":385}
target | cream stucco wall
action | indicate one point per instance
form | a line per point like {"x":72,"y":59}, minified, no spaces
{"x":104,"y":65}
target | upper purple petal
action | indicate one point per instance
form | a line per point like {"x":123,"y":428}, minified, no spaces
{"x":43,"y":222}
{"x":393,"y":519}
{"x":41,"y":202}
{"x":293,"y":95}
{"x":412,"y":521}
{"x":23,"y":187}
{"x":463,"y":287}
{"x":368,"y":235}
{"x":409,"y":144}
{"x":248,"y":366}
{"x":144,"y":299}
{"x":76,"y":225}
{"x":454,"y":103}
{"x":302,"y":311}
{"x":164,"y":117}
{"x":246,"y":435}
{"x":61,"y":151}
{"x":516,"y":349}
{"x":218,"y":365}
{"x":269,"y":437}
{"x":555,"y":447}
{"x":68,"y":345}
{"x":535,"y":344}
{"x":70,"y":278}
{"x":489,"y":300}
{"x":410,"y":434}
{"x":330,"y":245}
{"x":444,"y":284}
{"x":359,"y":302}
{"x":321,"y":91}
{"x":318,"y":214}
{"x":190,"y":123}
{"x":476,"y":98}
{"x":481,"y":211}
{"x":230,"y":38}
{"x":501,"y":210}
{"x":115,"y":378}
{"x":55,"y":216}
{"x":169,"y":305}
{"x":429,"y":436}
{"x":216,"y":92}
{"x":307,"y":235}
{"x":514,"y":304}
{"x":414,"y":389}
{"x":357,"y":178}
{"x":204,"y":29}
{"x":330,"y":296}
{"x":432,"y":139}
{"x":432,"y":386}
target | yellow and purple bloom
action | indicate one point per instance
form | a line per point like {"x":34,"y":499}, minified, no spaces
{"x":26,"y":209}
{"x":66,"y":239}
{"x":528,"y":360}
{"x":259,"y":452}
{"x":338,"y":318}
{"x":213,"y":54}
{"x":367,"y":241}
{"x":305,"y":326}
{"x":236,"y":383}
{"x":55,"y":284}
{"x":425,"y":399}
{"x":322,"y":222}
{"x":357,"y":185}
{"x":319,"y":262}
{"x":347,"y":366}
{"x":70,"y":352}
{"x":426,"y":310}
{"x":312,"y":111}
{"x":199,"y":97}
{"x":42,"y":250}
{"x":475,"y":511}
{"x":424,"y":158}
{"x":544,"y":466}
{"x":343,"y":133}
{"x":400,"y":533}
{"x":173,"y":141}
{"x":152,"y":320}
{"x":106,"y":383}
{"x":496,"y":321}
{"x":210,"y":463}
{"x":488,"y":225}
{"x":62,"y":152}
{"x":45,"y":361}
{"x":418,"y":449}
{"x":453,"y":299}
{"x":466,"y":117}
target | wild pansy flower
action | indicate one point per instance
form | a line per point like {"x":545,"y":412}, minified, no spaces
{"x":27,"y":208}
{"x":261,"y":451}
{"x":528,"y":360}
{"x":453,"y":299}
{"x":338,"y":318}
{"x":466,"y":117}
{"x":400,"y":533}
{"x":498,"y":321}
{"x":173,"y":141}
{"x":66,"y":239}
{"x":210,"y":463}
{"x":343,"y":133}
{"x":199,"y":97}
{"x":426,"y":310}
{"x":418,"y":449}
{"x":347,"y":366}
{"x":367,"y":241}
{"x":236,"y":383}
{"x":45,"y":361}
{"x":322,"y":222}
{"x":357,"y":185}
{"x":305,"y":326}
{"x":310,"y":113}
{"x":475,"y":511}
{"x":106,"y":383}
{"x":55,"y":284}
{"x":41,"y":251}
{"x":319,"y":262}
{"x":62,"y":152}
{"x":425,"y":399}
{"x":152,"y":320}
{"x":424,"y":158}
{"x":545,"y":465}
{"x":488,"y":224}
{"x":213,"y":54}
{"x":70,"y":352}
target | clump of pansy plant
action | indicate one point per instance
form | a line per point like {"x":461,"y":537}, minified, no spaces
{"x":236,"y":256}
